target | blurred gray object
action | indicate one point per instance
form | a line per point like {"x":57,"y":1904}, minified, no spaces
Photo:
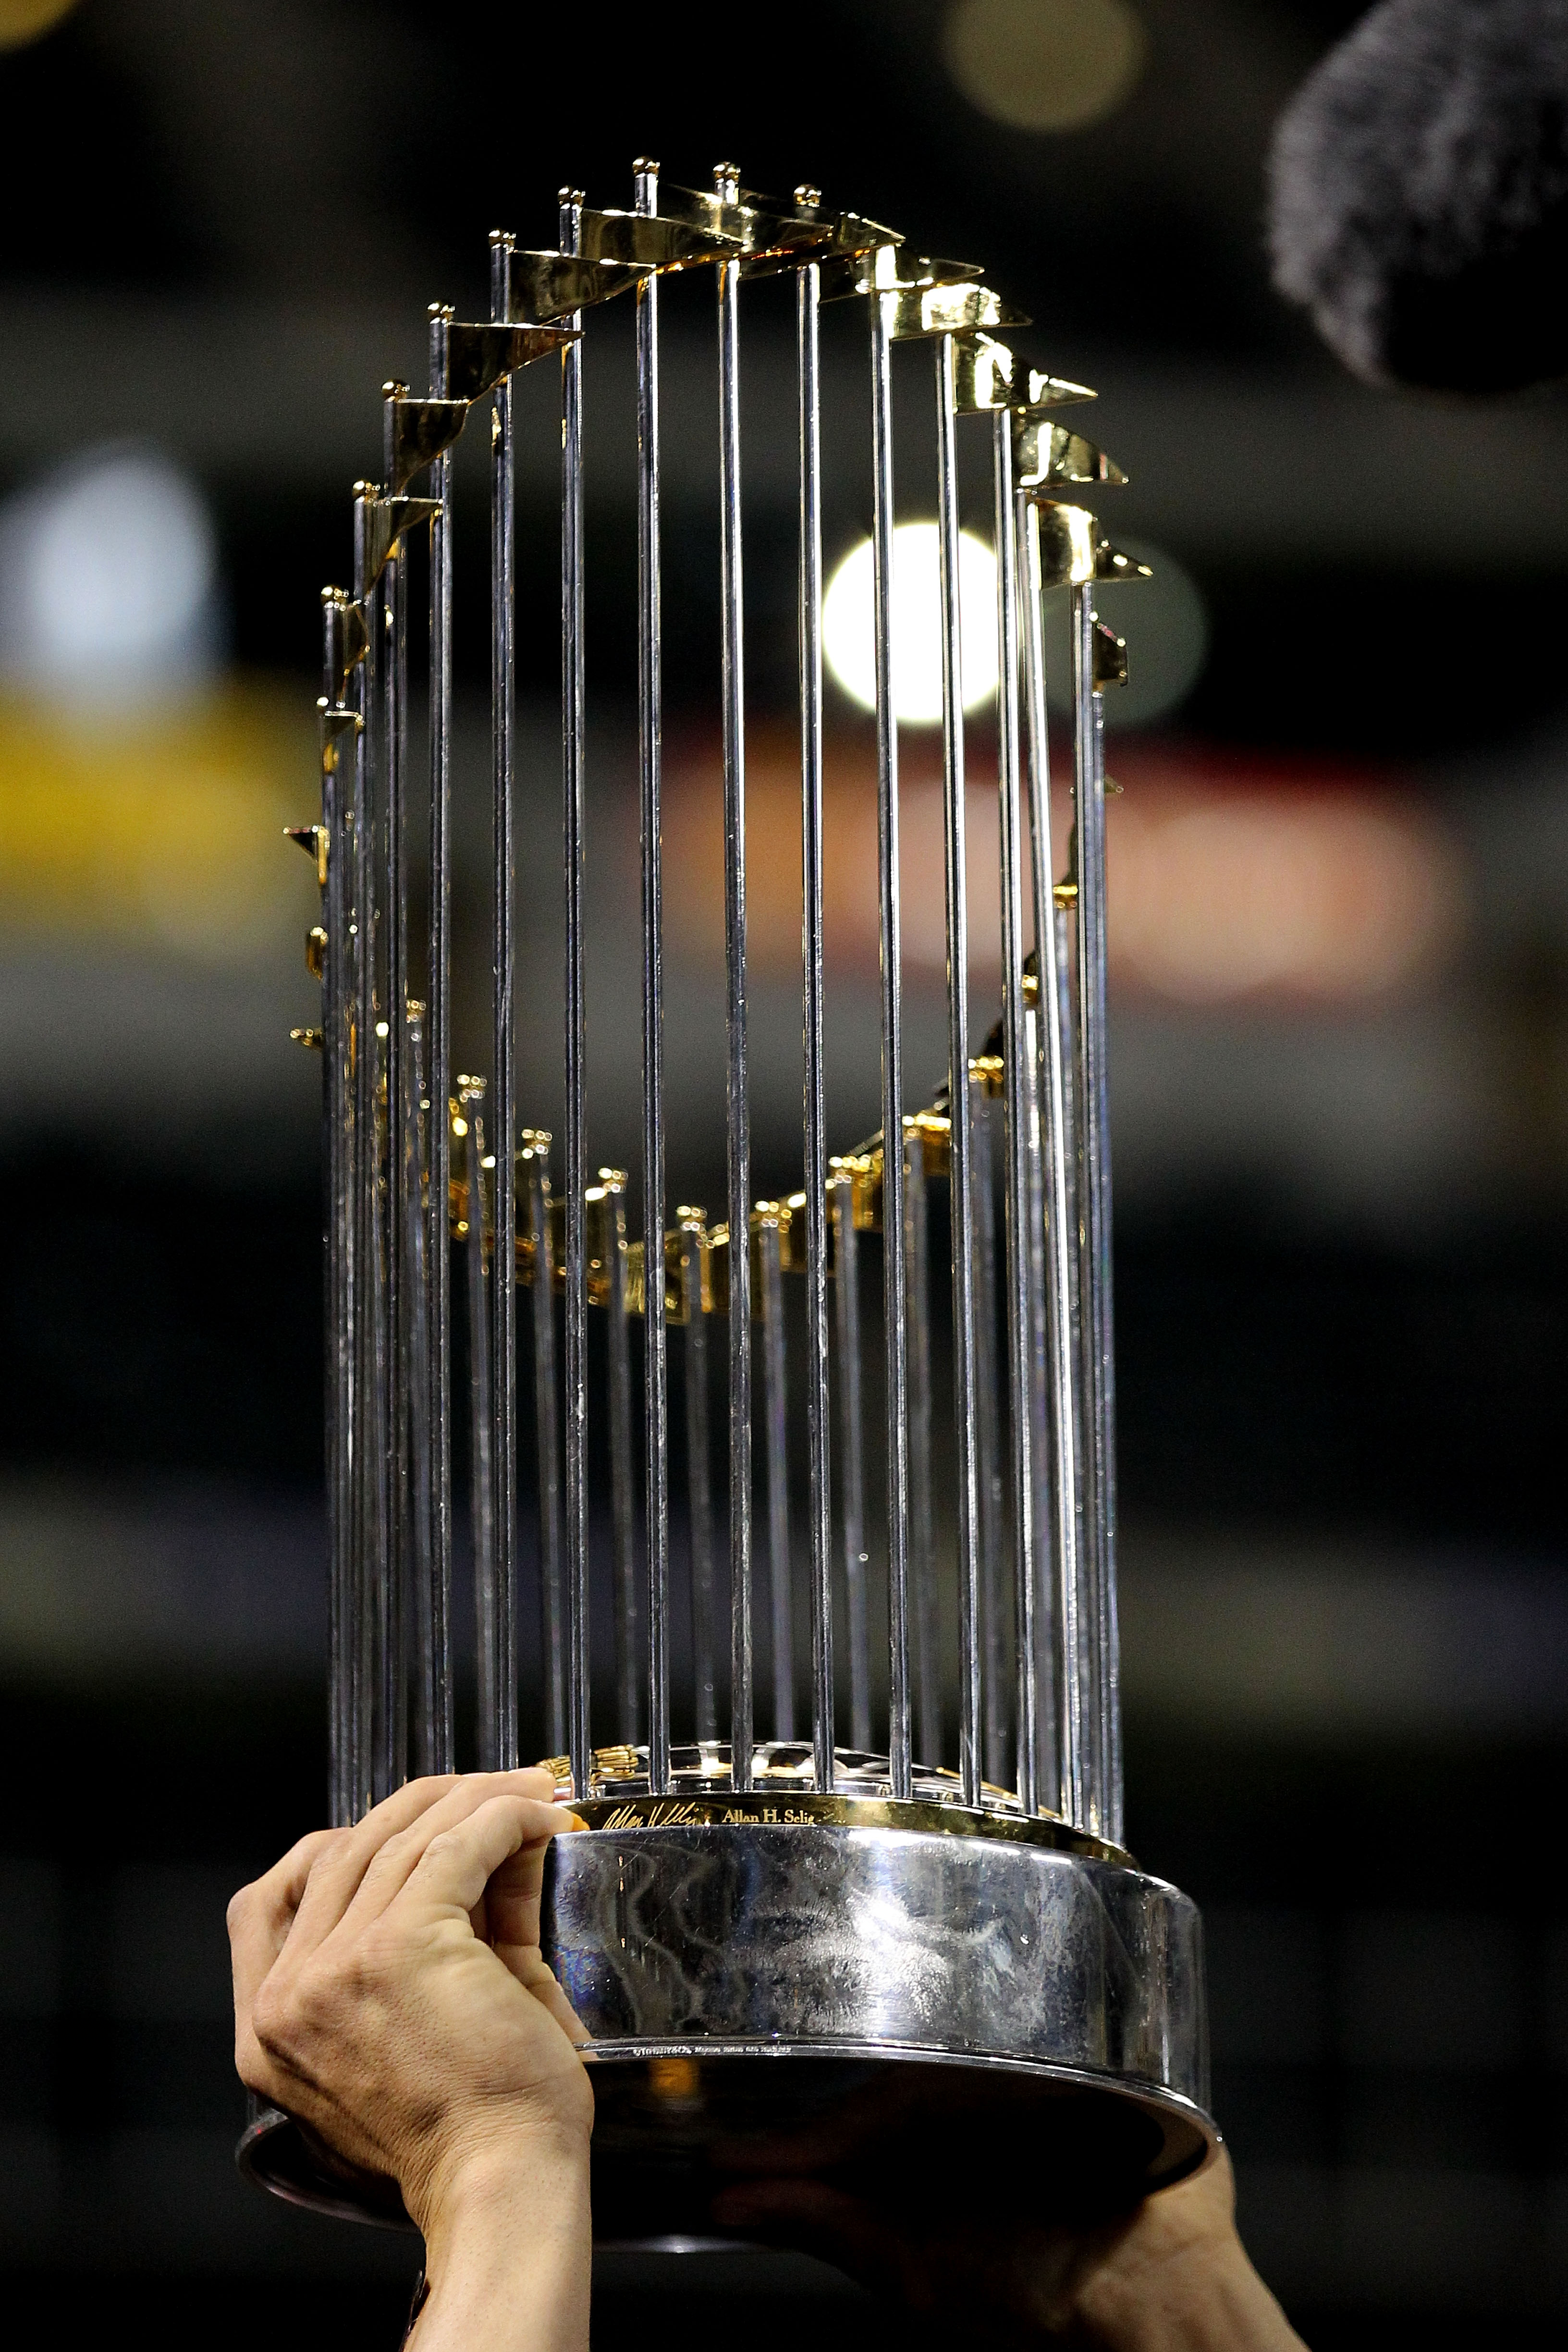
{"x":1419,"y":194}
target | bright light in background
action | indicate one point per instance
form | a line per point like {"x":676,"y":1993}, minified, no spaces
{"x":107,"y":582}
{"x":1166,"y":627}
{"x":142,"y":796}
{"x":27,"y":20}
{"x":1243,"y":891}
{"x":1045,"y":65}
{"x":848,"y":623}
{"x":1232,"y":877}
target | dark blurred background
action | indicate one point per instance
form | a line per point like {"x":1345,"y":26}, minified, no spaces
{"x":1340,"y":941}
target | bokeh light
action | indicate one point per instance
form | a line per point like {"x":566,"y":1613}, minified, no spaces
{"x":22,"y":21}
{"x":1166,"y":623}
{"x":108,"y":583}
{"x":1045,"y":65}
{"x":848,"y":623}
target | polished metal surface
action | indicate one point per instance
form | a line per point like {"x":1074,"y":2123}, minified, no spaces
{"x":924,"y":1648}
{"x":808,"y":291}
{"x":884,"y":1984}
{"x":438,"y":997}
{"x":573,"y":712}
{"x":890,"y":929}
{"x":935,"y":1924}
{"x":1026,"y":1363}
{"x":851,"y":1446}
{"x":503,"y":1036}
{"x":737,"y":1109}
{"x":766,"y":1223}
{"x":960,"y":1179}
{"x":1103,"y":1797}
{"x":534,"y":1162}
{"x":481,"y":1421}
{"x":695,"y":1293}
{"x":650,"y":747}
{"x":1052,"y":1022}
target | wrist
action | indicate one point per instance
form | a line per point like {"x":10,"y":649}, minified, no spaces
{"x":477,"y":2184}
{"x":1203,"y":2297}
{"x":508,"y":2235}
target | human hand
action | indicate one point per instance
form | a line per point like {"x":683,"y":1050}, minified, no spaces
{"x":1169,"y":2275}
{"x":390,"y":1994}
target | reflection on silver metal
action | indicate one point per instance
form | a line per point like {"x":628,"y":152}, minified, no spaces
{"x":776,"y":1406}
{"x":573,"y":700}
{"x":807,"y":298}
{"x":481,"y":1429}
{"x":629,"y":1682}
{"x":852,"y":1451}
{"x":893,"y":1278}
{"x":438,"y":1129}
{"x":1024,"y":1368}
{"x":1102,"y":1810}
{"x":966,"y":1414}
{"x":1054,"y":1996}
{"x":935,"y":1923}
{"x":925,"y":1650}
{"x":699,"y":1469}
{"x":738,"y":1094}
{"x":503,"y":1029}
{"x":650,"y":725}
{"x":535,"y":1207}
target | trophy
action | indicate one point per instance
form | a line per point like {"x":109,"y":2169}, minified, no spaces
{"x":787,"y":1946}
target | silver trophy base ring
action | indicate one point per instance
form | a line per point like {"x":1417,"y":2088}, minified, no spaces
{"x":859,"y":1991}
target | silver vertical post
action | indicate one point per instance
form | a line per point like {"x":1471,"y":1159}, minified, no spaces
{"x":693,"y":1228}
{"x":739,"y":1166}
{"x":1061,"y":1235}
{"x":417,"y":1324}
{"x":1023,"y":1363}
{"x":503,"y":1013}
{"x":333,"y":864}
{"x":628,"y":1687}
{"x":650,"y":752}
{"x":372,"y":1544}
{"x":923,"y":1560}
{"x":481,"y":1425}
{"x":767,"y":1224}
{"x":1048,"y":1745}
{"x":535,"y":1157}
{"x":438,"y":995}
{"x":809,"y":290}
{"x":1094,"y":1209}
{"x":393,"y":1029}
{"x":851,"y":1449}
{"x":573,"y":797}
{"x":991,"y":1544}
{"x":362,"y":1095}
{"x":892,"y":1059}
{"x":965,"y":1401}
{"x":1087,"y":1720}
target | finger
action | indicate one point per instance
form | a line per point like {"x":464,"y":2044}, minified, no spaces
{"x":513,"y":1898}
{"x":459,"y":1861}
{"x":261,"y":1914}
{"x":390,"y":1870}
{"x":537,"y":1978}
{"x":335,"y":1880}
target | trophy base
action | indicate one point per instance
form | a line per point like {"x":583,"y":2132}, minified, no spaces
{"x":854,"y":1989}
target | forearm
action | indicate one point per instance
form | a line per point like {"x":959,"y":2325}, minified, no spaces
{"x":508,"y":2261}
{"x":1199,"y":2300}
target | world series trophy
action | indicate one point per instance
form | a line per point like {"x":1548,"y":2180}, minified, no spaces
{"x":861,"y":1950}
